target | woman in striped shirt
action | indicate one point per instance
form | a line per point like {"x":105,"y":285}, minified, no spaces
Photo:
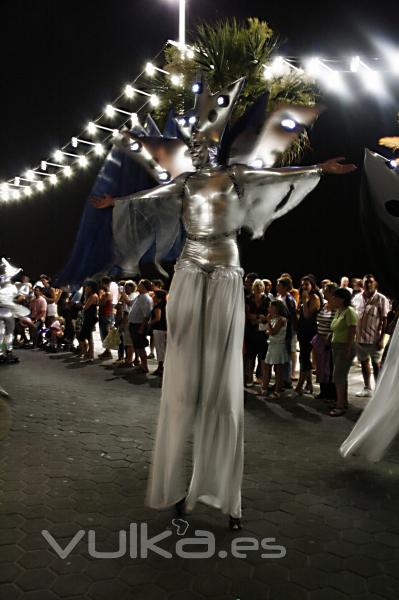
{"x":322,"y":346}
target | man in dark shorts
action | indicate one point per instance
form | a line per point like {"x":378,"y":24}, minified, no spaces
{"x":139,"y":317}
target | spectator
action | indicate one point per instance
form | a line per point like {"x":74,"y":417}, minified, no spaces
{"x":277,"y":354}
{"x":38,"y":309}
{"x":293,"y":291}
{"x":248,"y":283}
{"x":345,"y":283}
{"x":105,"y":313}
{"x":268,"y":288}
{"x":139,"y":318}
{"x":372,"y":309}
{"x":256,"y":310}
{"x":309,"y":307}
{"x":50,"y":297}
{"x":127,"y":298}
{"x":89,"y":321}
{"x":114,"y":289}
{"x":322,"y":346}
{"x":284,"y":285}
{"x":343,"y":327}
{"x":158,"y":325}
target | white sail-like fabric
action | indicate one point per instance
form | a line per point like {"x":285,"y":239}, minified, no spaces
{"x":379,"y":422}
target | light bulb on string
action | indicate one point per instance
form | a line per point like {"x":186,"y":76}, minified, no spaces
{"x":150,"y":69}
{"x":91,"y":128}
{"x":110,"y":111}
{"x":129,"y":91}
{"x":59,"y":156}
{"x":68,"y":171}
{"x":53,"y":179}
{"x":40,"y":186}
{"x":30,"y":175}
{"x":16,"y":194}
{"x":28,"y":191}
{"x":99,"y":149}
{"x":83,"y":162}
{"x":154,"y":100}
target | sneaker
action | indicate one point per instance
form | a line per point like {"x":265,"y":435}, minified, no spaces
{"x":365,"y":393}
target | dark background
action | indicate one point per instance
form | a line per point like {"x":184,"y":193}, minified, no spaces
{"x":61,"y":62}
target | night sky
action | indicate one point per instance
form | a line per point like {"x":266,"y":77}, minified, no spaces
{"x":61,"y":62}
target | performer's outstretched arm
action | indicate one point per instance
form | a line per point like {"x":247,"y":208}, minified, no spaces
{"x":271,"y":193}
{"x":142,"y":220}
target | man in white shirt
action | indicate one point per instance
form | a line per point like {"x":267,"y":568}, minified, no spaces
{"x":372,"y":309}
{"x":139,"y":316}
{"x":114,"y":290}
{"x":126,"y":298}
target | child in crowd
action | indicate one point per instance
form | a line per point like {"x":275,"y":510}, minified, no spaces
{"x":277,"y":354}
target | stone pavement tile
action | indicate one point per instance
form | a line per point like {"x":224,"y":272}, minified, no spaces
{"x":234,"y":569}
{"x":328,"y":594}
{"x":36,"y":559}
{"x":8,"y":572}
{"x":185,"y":595}
{"x":363,"y":566}
{"x":10,"y":553}
{"x":248,"y":590}
{"x":10,"y":536}
{"x":40,"y":595}
{"x":330,"y":563}
{"x":104,"y":590}
{"x":174,"y":581}
{"x":347,"y":582}
{"x":385,"y":586}
{"x":309,"y":578}
{"x":391,"y":567}
{"x":103,"y":569}
{"x":288,"y":591}
{"x":387,"y":538}
{"x":270,"y":574}
{"x":10,"y":592}
{"x":72,"y":564}
{"x":74,"y":583}
{"x":35,"y":579}
{"x":357,"y":536}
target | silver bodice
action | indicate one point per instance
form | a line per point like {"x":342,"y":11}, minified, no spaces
{"x":211,"y":214}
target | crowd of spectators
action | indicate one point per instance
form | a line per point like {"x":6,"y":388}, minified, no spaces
{"x":320,"y":327}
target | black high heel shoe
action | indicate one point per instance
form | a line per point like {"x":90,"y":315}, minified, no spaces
{"x":180,"y":508}
{"x":234,"y":524}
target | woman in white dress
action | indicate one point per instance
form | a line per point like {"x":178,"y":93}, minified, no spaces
{"x":277,"y":355}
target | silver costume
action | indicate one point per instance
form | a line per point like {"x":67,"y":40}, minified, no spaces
{"x":203,"y":377}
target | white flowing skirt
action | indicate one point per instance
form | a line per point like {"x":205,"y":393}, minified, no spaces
{"x":379,"y":422}
{"x":202,"y":392}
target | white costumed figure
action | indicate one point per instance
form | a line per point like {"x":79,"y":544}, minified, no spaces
{"x":202,"y":389}
{"x":379,"y":422}
{"x":9,"y":311}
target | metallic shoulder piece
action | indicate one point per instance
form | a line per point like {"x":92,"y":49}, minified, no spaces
{"x":260,"y":145}
{"x":163,"y":158}
{"x":211,"y":112}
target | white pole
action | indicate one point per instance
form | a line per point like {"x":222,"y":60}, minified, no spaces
{"x":182,"y":24}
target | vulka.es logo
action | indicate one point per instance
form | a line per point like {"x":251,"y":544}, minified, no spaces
{"x":136,"y":543}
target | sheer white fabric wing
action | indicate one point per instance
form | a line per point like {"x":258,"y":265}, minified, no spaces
{"x":270,"y":194}
{"x":144,"y":219}
{"x":379,"y":422}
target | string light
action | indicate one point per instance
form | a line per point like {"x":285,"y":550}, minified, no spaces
{"x":319,"y":68}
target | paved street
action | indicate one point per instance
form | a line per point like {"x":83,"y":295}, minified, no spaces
{"x":74,"y":456}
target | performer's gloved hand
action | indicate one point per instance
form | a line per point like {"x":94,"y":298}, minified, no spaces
{"x":105,"y":201}
{"x":334,"y":166}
